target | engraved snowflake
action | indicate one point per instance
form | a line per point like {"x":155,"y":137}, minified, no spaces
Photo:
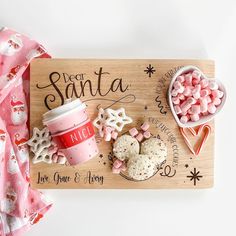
{"x":150,"y":70}
{"x":194,"y":176}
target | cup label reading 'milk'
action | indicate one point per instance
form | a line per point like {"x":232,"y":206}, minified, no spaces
{"x":75,"y":136}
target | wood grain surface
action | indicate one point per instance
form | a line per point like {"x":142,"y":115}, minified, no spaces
{"x":140,"y":86}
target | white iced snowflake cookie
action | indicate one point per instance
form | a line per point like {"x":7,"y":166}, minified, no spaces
{"x":45,"y":155}
{"x":155,"y":147}
{"x":40,"y":140}
{"x":117,"y":119}
{"x":43,"y":147}
{"x":141,"y":167}
{"x":125,"y":146}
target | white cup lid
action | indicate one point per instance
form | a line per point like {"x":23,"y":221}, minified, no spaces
{"x":63,"y":110}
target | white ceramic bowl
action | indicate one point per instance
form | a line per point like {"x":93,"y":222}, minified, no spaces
{"x":203,"y":119}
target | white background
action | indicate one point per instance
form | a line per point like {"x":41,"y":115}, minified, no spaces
{"x":141,"y":29}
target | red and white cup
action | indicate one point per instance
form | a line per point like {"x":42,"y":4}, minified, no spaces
{"x":72,"y":131}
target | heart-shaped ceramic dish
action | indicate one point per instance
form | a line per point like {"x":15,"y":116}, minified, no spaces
{"x":204,"y":119}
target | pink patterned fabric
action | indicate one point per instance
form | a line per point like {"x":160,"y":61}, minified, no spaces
{"x":20,"y":206}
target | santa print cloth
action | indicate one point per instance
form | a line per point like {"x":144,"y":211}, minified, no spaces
{"x":20,"y":206}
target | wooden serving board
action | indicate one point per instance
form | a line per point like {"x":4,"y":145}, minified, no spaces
{"x":140,"y":86}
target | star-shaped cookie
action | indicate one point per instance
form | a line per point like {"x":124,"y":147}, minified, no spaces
{"x":100,"y":119}
{"x":40,"y":139}
{"x":40,"y":144}
{"x":117,"y":118}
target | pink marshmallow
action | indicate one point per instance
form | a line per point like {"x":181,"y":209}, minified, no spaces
{"x":180,"y":78}
{"x":55,"y":158}
{"x":204,"y":83}
{"x":209,"y":91}
{"x":145,"y":126}
{"x":181,"y":96}
{"x":181,"y":89}
{"x":185,"y":106}
{"x":194,"y":117}
{"x":187,"y":91}
{"x":191,"y":100}
{"x":213,"y":85}
{"x":203,"y":104}
{"x":208,"y":99}
{"x":197,"y":88}
{"x":146,"y":134}
{"x":216,"y":101}
{"x":196,"y":91}
{"x":61,"y":160}
{"x":174,"y":92}
{"x":204,"y":93}
{"x":139,"y":137}
{"x":175,"y":100}
{"x":133,"y":132}
{"x":107,"y":133}
{"x":195,"y":109}
{"x":211,"y":108}
{"x":177,"y":85}
{"x":177,"y":109}
{"x":185,"y":113}
{"x":195,"y":81}
{"x":188,"y":79}
{"x":108,"y":129}
{"x":52,"y":149}
{"x":107,"y":136}
{"x":217,"y":94}
{"x":196,"y":74}
{"x":60,"y":153}
{"x":196,"y":95}
{"x":184,"y":119}
{"x":117,"y":163}
{"x":190,"y":111}
{"x":114,"y":135}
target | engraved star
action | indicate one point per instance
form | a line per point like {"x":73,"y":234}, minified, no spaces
{"x":150,"y":70}
{"x":194,"y":176}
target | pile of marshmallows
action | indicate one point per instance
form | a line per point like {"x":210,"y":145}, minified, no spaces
{"x":194,"y":97}
{"x":108,"y":133}
{"x":144,"y":133}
